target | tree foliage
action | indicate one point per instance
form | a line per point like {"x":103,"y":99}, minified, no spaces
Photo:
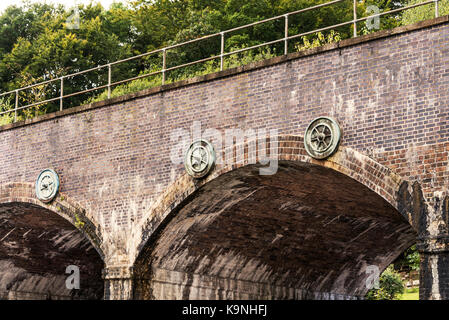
{"x":390,"y":286}
{"x":409,"y":260}
{"x":36,"y":43}
{"x":423,"y":12}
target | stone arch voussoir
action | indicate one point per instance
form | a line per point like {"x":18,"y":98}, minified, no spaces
{"x":352,"y":163}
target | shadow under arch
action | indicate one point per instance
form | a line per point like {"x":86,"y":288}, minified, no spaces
{"x":39,"y":241}
{"x":308,"y":231}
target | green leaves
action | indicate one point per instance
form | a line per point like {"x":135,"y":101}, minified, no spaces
{"x":390,"y":286}
{"x":319,"y":40}
{"x":43,"y":48}
{"x":37,"y":45}
{"x":424,"y":12}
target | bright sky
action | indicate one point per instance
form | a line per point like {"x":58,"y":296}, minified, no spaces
{"x":67,"y":3}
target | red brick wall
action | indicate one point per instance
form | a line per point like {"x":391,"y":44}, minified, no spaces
{"x":390,"y":96}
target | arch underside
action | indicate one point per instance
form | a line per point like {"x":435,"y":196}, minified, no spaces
{"x":36,"y":246}
{"x":307,"y":232}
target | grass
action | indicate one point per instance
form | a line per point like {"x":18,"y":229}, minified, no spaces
{"x":410,"y":294}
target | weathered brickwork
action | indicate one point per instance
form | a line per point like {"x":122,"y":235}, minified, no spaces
{"x":251,"y":228}
{"x":40,"y":241}
{"x":388,"y":91}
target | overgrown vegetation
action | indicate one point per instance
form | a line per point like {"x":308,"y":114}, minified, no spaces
{"x":408,"y":261}
{"x":206,"y":68}
{"x":37,"y":43}
{"x":391,"y":284}
{"x":424,"y":12}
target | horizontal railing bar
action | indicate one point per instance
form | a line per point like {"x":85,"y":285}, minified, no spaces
{"x":35,"y":104}
{"x":54,"y":99}
{"x":78,"y":73}
{"x":253,"y":47}
{"x":168,"y":69}
{"x":279,"y":40}
{"x":5,"y":93}
{"x":7,"y":111}
{"x":136,"y":57}
{"x":360,"y":19}
{"x":192,"y":63}
{"x":396,"y":10}
{"x":283,"y":15}
{"x":174,"y":46}
{"x":66,"y":96}
{"x":84,"y":91}
{"x":83,"y":71}
{"x":136,"y":78}
{"x":54,"y":80}
{"x":193,"y":40}
{"x":322,"y":29}
{"x":30,"y":86}
{"x":163,"y":71}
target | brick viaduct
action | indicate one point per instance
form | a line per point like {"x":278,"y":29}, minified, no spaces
{"x":139,"y":227}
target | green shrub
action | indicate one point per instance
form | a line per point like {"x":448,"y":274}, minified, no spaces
{"x":5,"y":105}
{"x":132,"y":86}
{"x":319,"y":40}
{"x":6,"y":118}
{"x":408,"y":261}
{"x":423,"y":12}
{"x":390,"y":286}
{"x":235,"y":60}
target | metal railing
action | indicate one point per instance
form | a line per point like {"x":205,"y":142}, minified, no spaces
{"x":221,"y":56}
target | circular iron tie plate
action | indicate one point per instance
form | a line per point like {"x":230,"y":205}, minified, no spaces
{"x":199,"y":159}
{"x":47,"y":185}
{"x":322,"y":138}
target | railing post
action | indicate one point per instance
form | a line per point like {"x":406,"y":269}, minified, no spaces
{"x":109,"y":80}
{"x":164,"y":64}
{"x":174,"y":66}
{"x":355,"y":18}
{"x":286,"y":35}
{"x":16,"y":105}
{"x":222,"y":51}
{"x":62,"y":94}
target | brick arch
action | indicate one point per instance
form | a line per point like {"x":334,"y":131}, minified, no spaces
{"x":61,"y":205}
{"x":380,"y":179}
